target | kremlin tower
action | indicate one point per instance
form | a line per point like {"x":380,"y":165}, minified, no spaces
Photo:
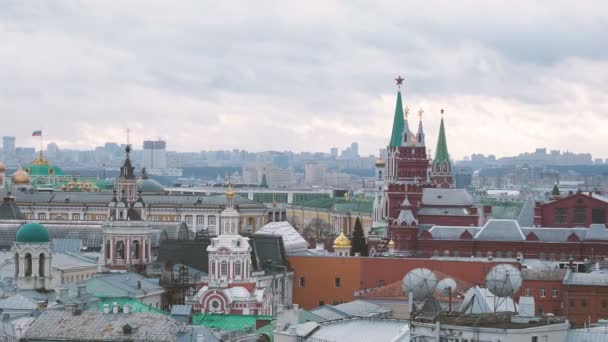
{"x":408,"y":170}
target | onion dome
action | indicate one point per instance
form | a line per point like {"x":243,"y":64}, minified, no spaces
{"x":2,"y":167}
{"x":20,"y":177}
{"x":229,"y":192}
{"x":32,"y":232}
{"x":342,"y":241}
{"x":380,"y":162}
{"x":391,"y":244}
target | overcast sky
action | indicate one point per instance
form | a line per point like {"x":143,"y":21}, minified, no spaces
{"x":305,"y":75}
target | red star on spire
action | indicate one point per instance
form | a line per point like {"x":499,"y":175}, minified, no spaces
{"x":399,"y":80}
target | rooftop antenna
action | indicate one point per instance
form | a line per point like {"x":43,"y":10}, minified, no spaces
{"x":503,"y":281}
{"x":128,"y":131}
{"x":419,"y":284}
{"x":445,"y":287}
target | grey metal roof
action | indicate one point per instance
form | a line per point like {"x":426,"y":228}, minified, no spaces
{"x":500,"y":230}
{"x":181,"y":310}
{"x":66,"y":245}
{"x":446,"y":197}
{"x":597,"y":232}
{"x":598,"y":333}
{"x":359,"y":329}
{"x":9,"y":209}
{"x":555,"y":234}
{"x":446,"y":211}
{"x":66,"y":261}
{"x":122,"y":285}
{"x":360,"y":308}
{"x":329,"y":312}
{"x":451,"y":233}
{"x":586,"y":279}
{"x":406,"y":216}
{"x":526,"y":214}
{"x":18,"y":301}
{"x":293,"y":241}
{"x":89,"y":234}
{"x":54,"y":325}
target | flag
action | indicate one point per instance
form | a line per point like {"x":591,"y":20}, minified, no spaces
{"x":37,"y":133}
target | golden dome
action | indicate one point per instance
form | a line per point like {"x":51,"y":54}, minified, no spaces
{"x":20,"y":177}
{"x":391,"y":244}
{"x":229,"y":192}
{"x":2,"y":167}
{"x":79,"y":183}
{"x":380,"y":162}
{"x":342,"y":241}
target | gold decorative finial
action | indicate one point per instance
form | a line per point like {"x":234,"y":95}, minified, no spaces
{"x":420,"y":112}
{"x":407,"y":111}
{"x":442,"y":113}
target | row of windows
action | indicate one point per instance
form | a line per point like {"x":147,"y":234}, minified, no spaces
{"x":543,"y":292}
{"x":583,"y":303}
{"x":224,"y":268}
{"x":598,"y":215}
{"x":76,"y":278}
{"x":337,"y":282}
{"x":65,"y":217}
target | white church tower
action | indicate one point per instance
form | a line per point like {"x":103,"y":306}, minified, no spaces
{"x":32,"y":257}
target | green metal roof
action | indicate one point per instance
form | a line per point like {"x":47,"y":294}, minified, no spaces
{"x":398,"y":124}
{"x":32,"y":232}
{"x":441,"y":152}
{"x":227,"y":322}
{"x":43,"y":170}
{"x":339,"y":204}
{"x":136,"y":306}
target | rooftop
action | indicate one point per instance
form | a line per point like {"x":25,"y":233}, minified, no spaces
{"x":227,"y":322}
{"x":59,"y":325}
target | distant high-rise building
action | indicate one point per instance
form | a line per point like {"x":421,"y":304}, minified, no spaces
{"x":155,"y":154}
{"x":334,"y":152}
{"x":8,"y":145}
{"x":314,"y":174}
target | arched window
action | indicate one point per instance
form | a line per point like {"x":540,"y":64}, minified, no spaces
{"x":237,"y":268}
{"x":75,"y":217}
{"x":108,"y":249}
{"x":135,"y":249}
{"x":224,"y":268}
{"x":28,"y":265}
{"x":41,"y":265}
{"x":213,"y":269}
{"x":16,"y":264}
{"x":120,"y":250}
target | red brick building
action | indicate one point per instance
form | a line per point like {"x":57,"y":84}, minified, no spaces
{"x":578,"y":210}
{"x":506,"y":238}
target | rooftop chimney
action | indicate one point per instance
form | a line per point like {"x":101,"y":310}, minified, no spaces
{"x":320,"y":246}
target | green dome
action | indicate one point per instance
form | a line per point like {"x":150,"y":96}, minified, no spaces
{"x":32,"y":232}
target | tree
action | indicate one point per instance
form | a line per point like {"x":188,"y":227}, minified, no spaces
{"x":264,"y":182}
{"x":359,"y":244}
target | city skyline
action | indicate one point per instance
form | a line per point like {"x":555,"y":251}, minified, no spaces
{"x":222,"y":77}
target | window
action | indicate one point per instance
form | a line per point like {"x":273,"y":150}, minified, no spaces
{"x":302,"y":282}
{"x":99,"y":217}
{"x":224,"y":268}
{"x":584,"y":303}
{"x":598,"y":215}
{"x":154,"y":218}
{"x":41,"y":216}
{"x":604,"y":304}
{"x":534,"y":338}
{"x":166,"y":218}
{"x":75,"y":217}
{"x":380,"y":282}
{"x":561,"y":215}
{"x":580,"y":215}
{"x":188,"y":219}
{"x":571,"y":303}
{"x":200,"y":220}
{"x":528,"y":292}
{"x":237,"y":268}
{"x":321,"y":303}
{"x":542,"y":292}
{"x":541,"y":311}
{"x":554,"y":292}
{"x":337,"y":282}
{"x":211,"y":220}
{"x":213,"y":268}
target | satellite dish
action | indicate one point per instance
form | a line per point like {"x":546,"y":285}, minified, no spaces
{"x":503,"y":280}
{"x":445,"y":286}
{"x":421,"y":282}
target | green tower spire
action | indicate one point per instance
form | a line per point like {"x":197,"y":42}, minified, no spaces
{"x":398,"y":124}
{"x":441,"y":153}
